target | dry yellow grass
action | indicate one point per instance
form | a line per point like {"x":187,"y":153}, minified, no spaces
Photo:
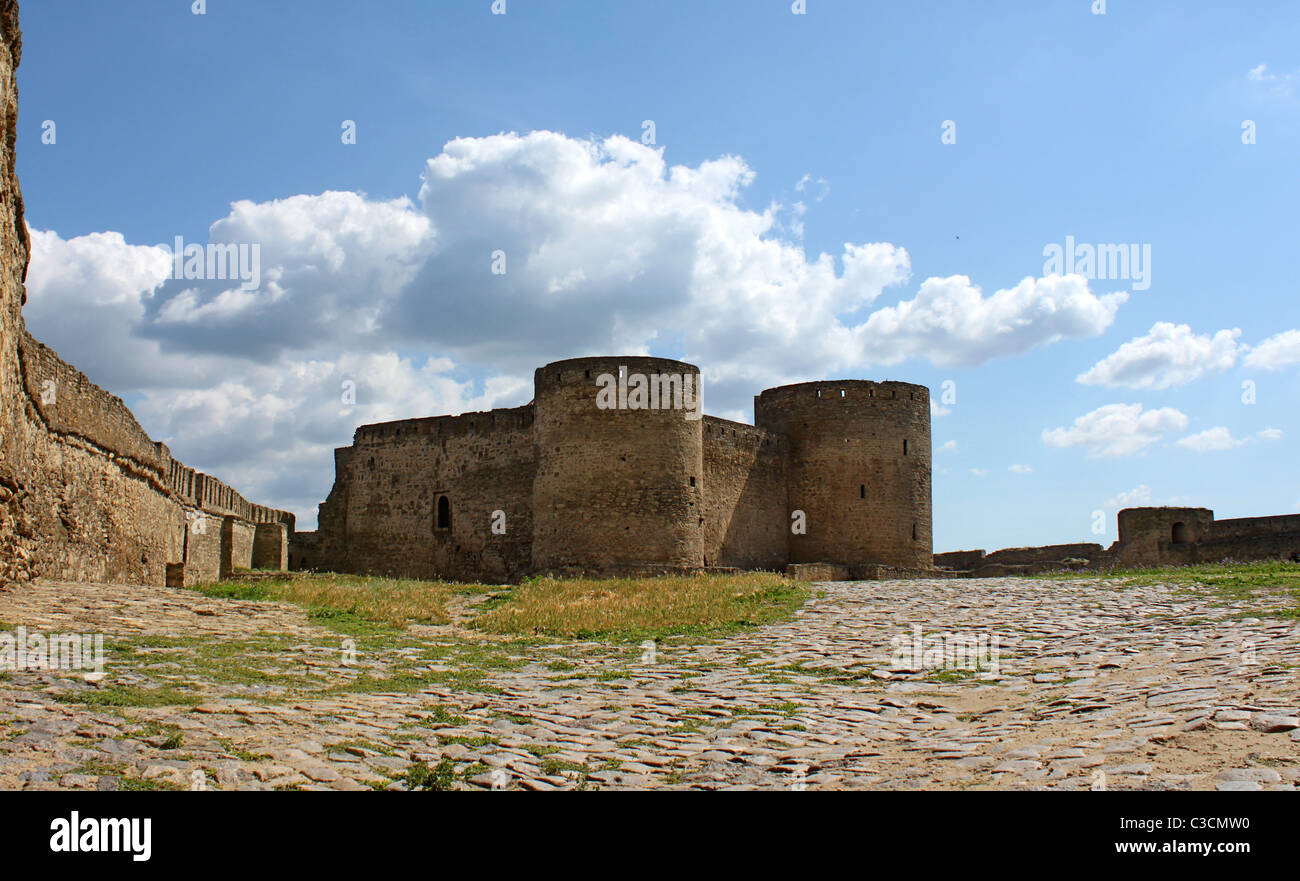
{"x":393,"y":602}
{"x":699,"y":605}
{"x":642,"y":607}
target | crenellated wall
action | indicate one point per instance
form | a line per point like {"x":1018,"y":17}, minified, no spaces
{"x":85,"y":494}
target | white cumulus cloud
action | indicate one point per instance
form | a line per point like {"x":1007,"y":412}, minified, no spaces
{"x":1168,"y":355}
{"x":1220,"y":438}
{"x":952,"y":323}
{"x":1117,"y":430}
{"x":1277,"y":352}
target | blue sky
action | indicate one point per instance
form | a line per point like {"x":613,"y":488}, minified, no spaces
{"x":1125,"y":127}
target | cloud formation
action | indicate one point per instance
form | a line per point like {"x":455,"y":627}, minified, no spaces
{"x":1220,"y":438}
{"x":1276,"y":353}
{"x":517,"y":250}
{"x":1168,"y":355}
{"x":1116,"y":430}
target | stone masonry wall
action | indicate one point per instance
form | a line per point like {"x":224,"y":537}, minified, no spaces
{"x":1153,"y":536}
{"x":746,"y":520}
{"x":617,"y":487}
{"x":271,"y":546}
{"x":392,"y":481}
{"x":84,"y":493}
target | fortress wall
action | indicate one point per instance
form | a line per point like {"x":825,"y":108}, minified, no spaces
{"x":14,"y":245}
{"x":381,"y":517}
{"x":103,"y":502}
{"x":615,"y":488}
{"x":325,"y":550}
{"x":236,"y":545}
{"x":84,"y":493}
{"x":1151,"y":536}
{"x":1046,"y":553}
{"x":203,"y":552}
{"x":1279,"y":545}
{"x":859,"y":469}
{"x":1146,"y":533}
{"x":70,"y":404}
{"x":270,"y":546}
{"x":305,"y":553}
{"x":14,"y":249}
{"x":1250,"y":527}
{"x":959,"y":559}
{"x":745,"y":516}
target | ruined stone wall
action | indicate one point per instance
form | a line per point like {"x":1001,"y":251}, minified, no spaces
{"x":1146,"y":533}
{"x":1046,"y":553}
{"x":959,"y":559}
{"x":615,"y":487}
{"x":859,"y":469}
{"x":382,"y":517}
{"x":84,"y":493}
{"x":1156,"y":536}
{"x":1147,"y":537}
{"x":1253,"y":527}
{"x":745,"y":516}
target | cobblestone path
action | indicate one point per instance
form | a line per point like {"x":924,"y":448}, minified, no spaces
{"x":1097,"y":684}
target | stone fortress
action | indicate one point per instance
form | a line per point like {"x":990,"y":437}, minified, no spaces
{"x":832,"y":481}
{"x":834,"y":471}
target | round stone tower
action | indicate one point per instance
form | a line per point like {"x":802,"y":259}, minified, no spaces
{"x":619,"y":464}
{"x":859,"y":469}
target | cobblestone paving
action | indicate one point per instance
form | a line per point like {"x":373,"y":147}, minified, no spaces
{"x":1098,"y":684}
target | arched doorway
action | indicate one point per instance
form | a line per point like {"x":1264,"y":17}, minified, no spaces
{"x":1181,"y":534}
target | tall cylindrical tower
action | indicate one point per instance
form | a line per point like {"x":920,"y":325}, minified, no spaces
{"x":619,"y":464}
{"x":859,"y":469}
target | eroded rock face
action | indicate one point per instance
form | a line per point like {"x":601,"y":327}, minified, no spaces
{"x":85,"y":494}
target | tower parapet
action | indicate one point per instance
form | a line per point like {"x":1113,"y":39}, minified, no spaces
{"x":859,"y":469}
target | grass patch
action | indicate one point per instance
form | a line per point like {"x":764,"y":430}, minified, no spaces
{"x":128,"y":696}
{"x":643,"y":608}
{"x":352,"y":603}
{"x":439,"y":778}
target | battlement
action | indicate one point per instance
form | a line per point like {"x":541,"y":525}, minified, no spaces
{"x":587,"y":370}
{"x":717,"y":430}
{"x":861,"y":392}
{"x":435,"y":427}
